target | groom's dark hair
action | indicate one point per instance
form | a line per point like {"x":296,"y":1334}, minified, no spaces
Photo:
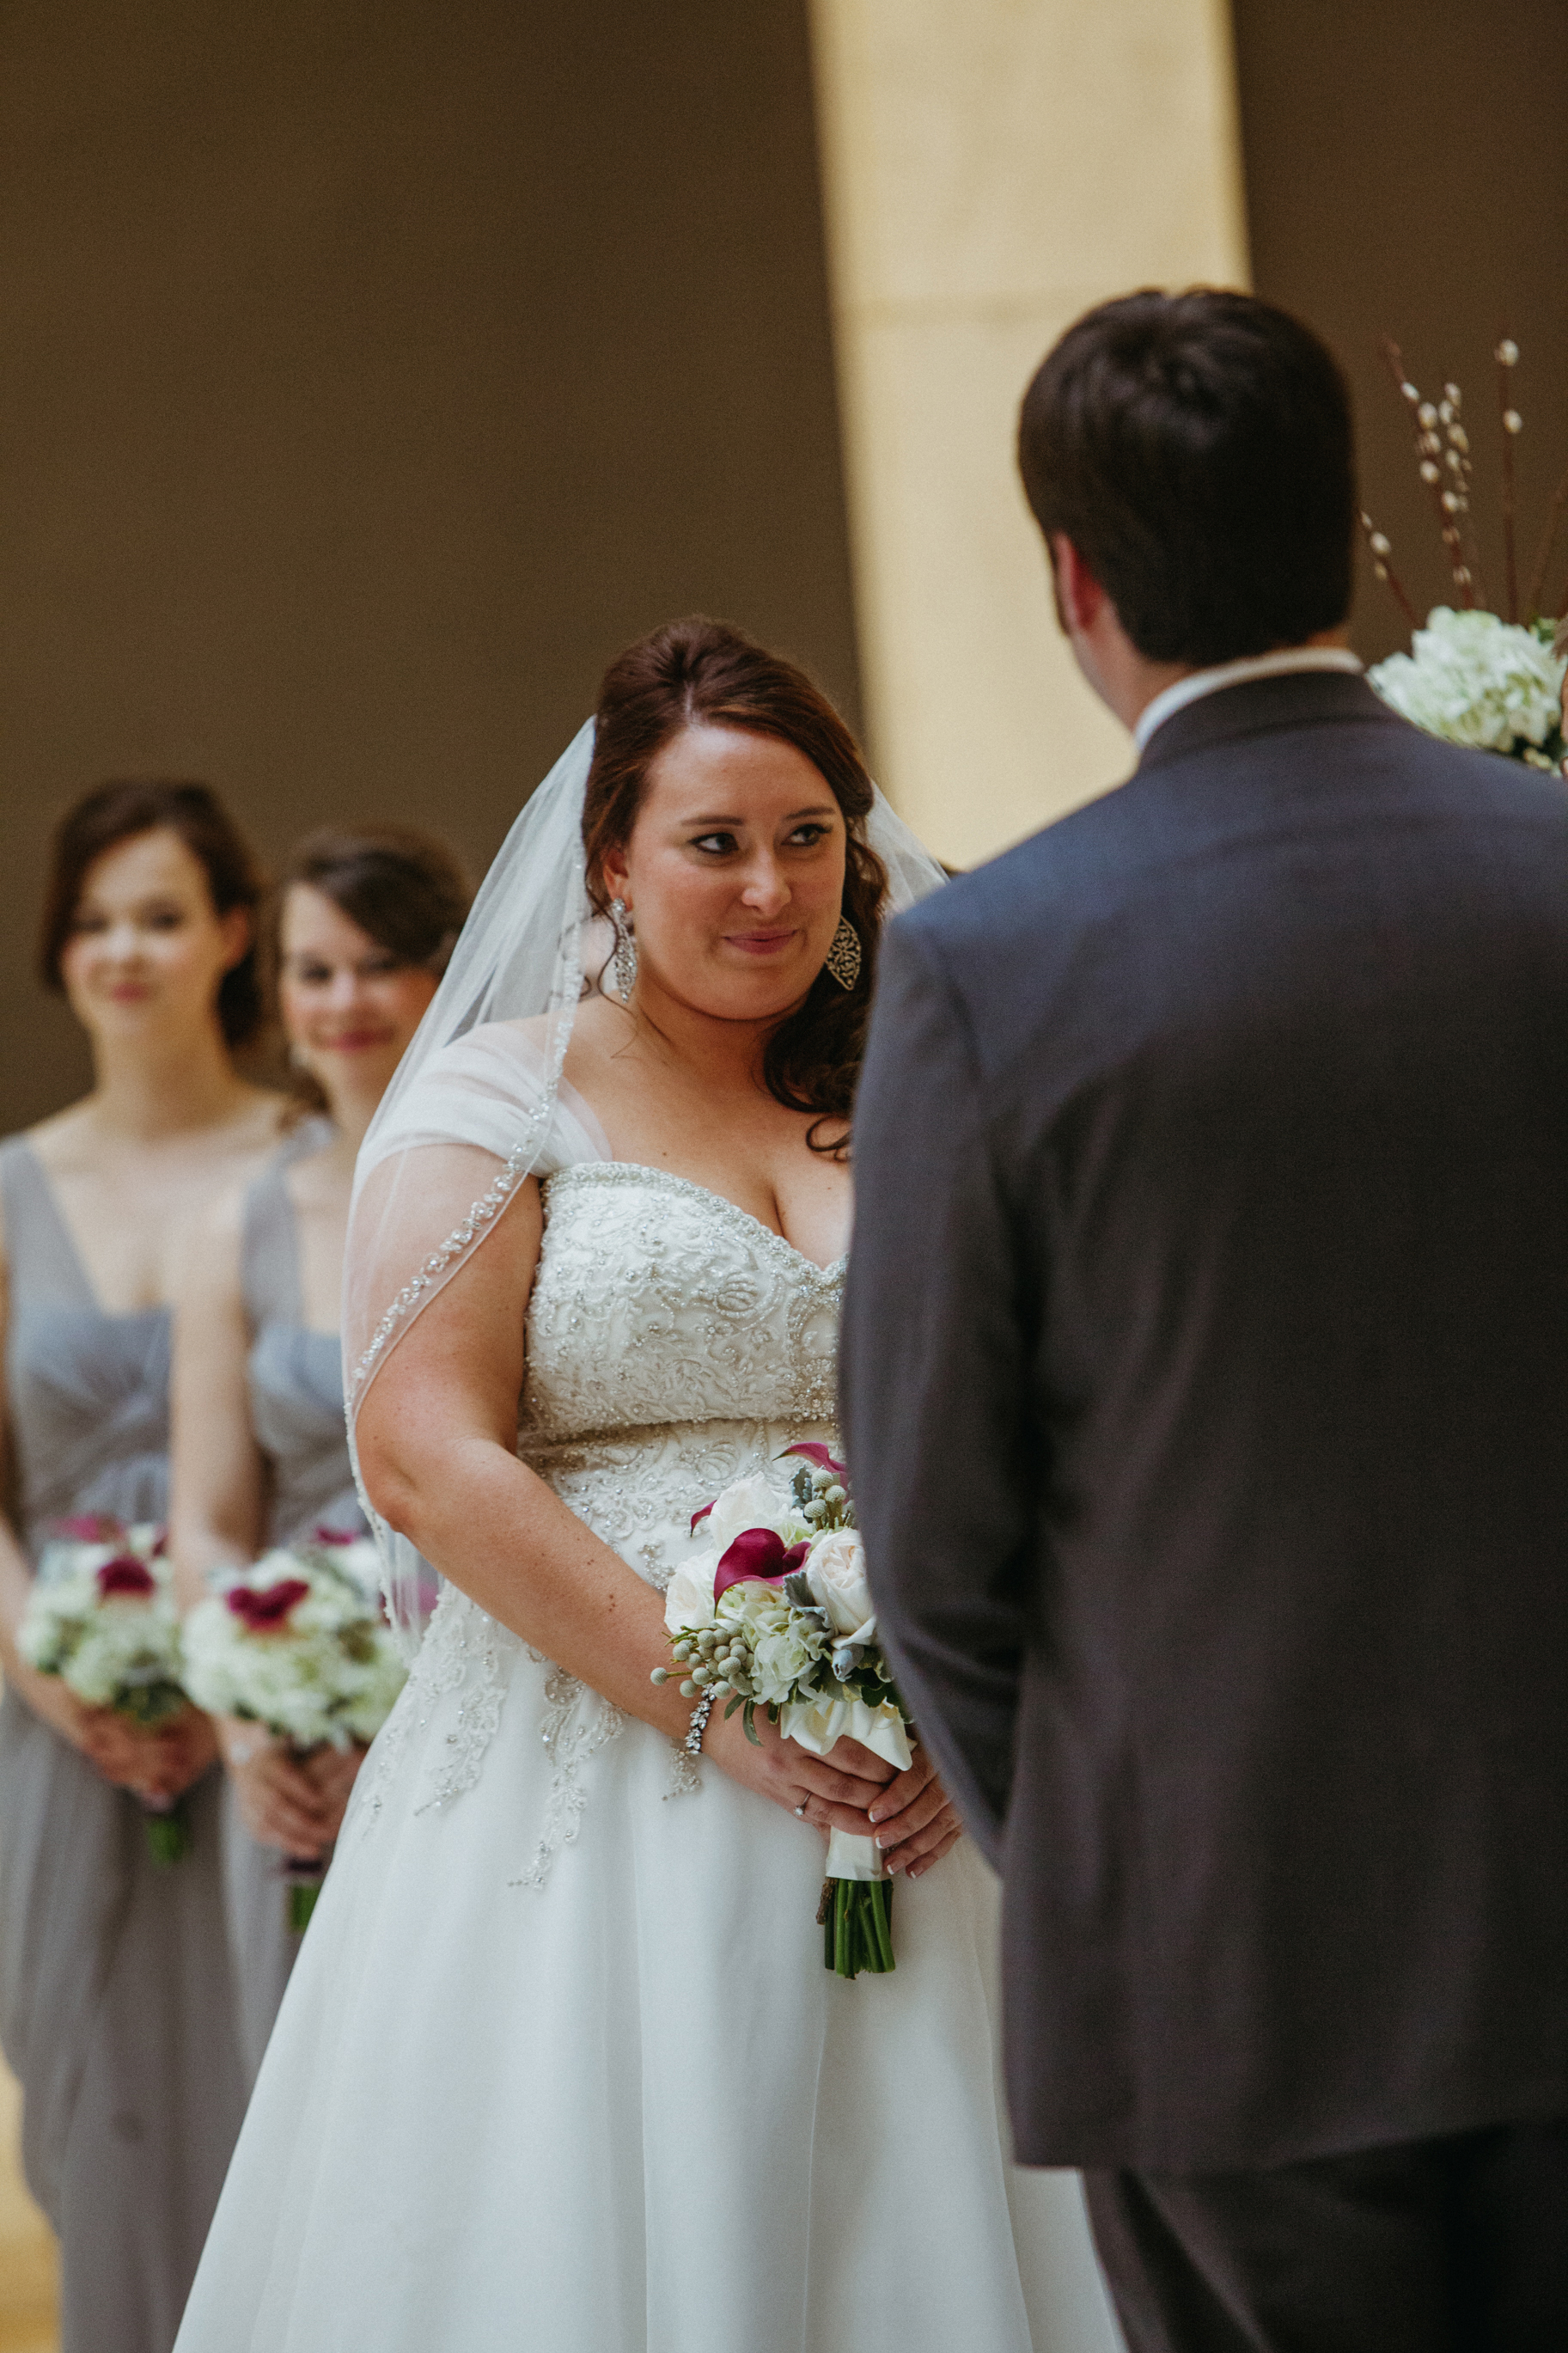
{"x":1197,"y":451}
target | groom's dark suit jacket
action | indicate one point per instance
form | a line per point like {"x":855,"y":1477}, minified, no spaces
{"x":1206,"y":1393}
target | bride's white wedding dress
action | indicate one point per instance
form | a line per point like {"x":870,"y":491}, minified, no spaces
{"x":560,"y":2066}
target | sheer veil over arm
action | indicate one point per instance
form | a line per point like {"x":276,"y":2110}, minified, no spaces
{"x":476,"y":1105}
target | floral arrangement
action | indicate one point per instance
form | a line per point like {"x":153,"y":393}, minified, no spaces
{"x":1474,"y":678}
{"x":299,"y":1643}
{"x":102,"y":1616}
{"x":772,"y":1610}
{"x":1489,"y":680}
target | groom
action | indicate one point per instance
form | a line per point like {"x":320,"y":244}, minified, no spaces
{"x":1207,"y":1389}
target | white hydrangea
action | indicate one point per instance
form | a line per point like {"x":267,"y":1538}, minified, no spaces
{"x":1475,"y":680}
{"x":784,"y":1644}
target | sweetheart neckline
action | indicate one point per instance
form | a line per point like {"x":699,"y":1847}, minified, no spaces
{"x":641,"y":1169}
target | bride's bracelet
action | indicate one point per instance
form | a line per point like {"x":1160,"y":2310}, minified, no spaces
{"x":699,"y":1725}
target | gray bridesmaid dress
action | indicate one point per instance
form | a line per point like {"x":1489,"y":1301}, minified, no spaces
{"x":117,"y":1999}
{"x":296,"y":1385}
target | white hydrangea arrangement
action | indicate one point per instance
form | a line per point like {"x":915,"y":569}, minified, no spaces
{"x":1474,"y":678}
{"x":773,"y":1609}
{"x":101,"y":1615}
{"x":1472,"y":675}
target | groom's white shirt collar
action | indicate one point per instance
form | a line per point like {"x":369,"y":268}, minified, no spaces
{"x":1199,"y":682}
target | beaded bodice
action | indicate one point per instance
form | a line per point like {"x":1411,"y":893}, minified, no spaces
{"x":658,"y":1303}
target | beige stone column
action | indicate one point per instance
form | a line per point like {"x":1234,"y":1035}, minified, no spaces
{"x":993,"y":167}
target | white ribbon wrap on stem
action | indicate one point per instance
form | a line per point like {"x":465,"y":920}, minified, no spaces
{"x":880,"y":1729}
{"x":854,"y":1858}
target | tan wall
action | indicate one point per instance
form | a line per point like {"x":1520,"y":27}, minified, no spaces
{"x":992,"y":170}
{"x":371,"y":372}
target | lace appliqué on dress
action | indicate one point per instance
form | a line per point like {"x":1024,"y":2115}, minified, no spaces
{"x":578,"y":1723}
{"x":474,"y":1659}
{"x":466,"y":1652}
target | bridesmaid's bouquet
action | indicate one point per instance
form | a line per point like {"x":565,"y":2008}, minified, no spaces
{"x":774,"y":1610}
{"x":102,"y":1616}
{"x":299,"y":1643}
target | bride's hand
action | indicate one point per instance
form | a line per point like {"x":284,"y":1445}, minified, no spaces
{"x":914,"y":1819}
{"x":832,"y":1792}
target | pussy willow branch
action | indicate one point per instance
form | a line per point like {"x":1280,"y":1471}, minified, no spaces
{"x":1504,"y":404}
{"x":1550,"y":530}
{"x":1448,"y":529}
{"x":1383,"y":569}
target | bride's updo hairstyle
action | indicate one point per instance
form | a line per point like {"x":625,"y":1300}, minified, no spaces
{"x":703,"y":673}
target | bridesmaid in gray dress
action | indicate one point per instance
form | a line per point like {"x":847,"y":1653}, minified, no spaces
{"x":116,"y":2001}
{"x":360,"y":934}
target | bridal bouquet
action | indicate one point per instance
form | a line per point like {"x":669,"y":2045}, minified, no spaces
{"x":1487,"y":678}
{"x":101,"y":1615}
{"x":774,"y":1610}
{"x":299,"y":1644}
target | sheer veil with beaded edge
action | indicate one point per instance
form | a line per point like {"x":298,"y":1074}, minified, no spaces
{"x":448,"y":1147}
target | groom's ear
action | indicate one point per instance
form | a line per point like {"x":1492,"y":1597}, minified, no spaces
{"x":1079,"y":596}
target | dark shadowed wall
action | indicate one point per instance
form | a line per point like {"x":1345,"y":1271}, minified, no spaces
{"x":371,"y":373}
{"x":1408,"y":175}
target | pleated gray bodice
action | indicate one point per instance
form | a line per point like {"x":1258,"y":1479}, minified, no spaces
{"x":88,"y":1391}
{"x":295,"y":1375}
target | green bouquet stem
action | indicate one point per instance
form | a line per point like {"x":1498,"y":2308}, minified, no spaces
{"x":168,"y":1832}
{"x":857,"y":1926}
{"x":302,"y":1877}
{"x":302,"y":1895}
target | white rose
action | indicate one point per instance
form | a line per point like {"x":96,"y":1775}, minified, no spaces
{"x":745,"y":1503}
{"x":688,"y":1597}
{"x":835,"y":1572}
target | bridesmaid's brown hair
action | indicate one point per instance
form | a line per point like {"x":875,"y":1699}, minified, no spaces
{"x":406,"y":889}
{"x":114,"y":813}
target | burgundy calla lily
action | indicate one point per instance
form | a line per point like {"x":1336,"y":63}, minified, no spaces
{"x":325,"y":1536}
{"x":265,"y":1608}
{"x":125,"y":1573}
{"x":758,"y":1557}
{"x":89,"y":1527}
{"x":698,"y":1517}
{"x":815,"y":1451}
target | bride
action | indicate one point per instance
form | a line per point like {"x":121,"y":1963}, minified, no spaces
{"x":560,"y":2066}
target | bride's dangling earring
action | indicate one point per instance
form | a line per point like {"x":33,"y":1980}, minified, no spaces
{"x":844,"y":955}
{"x":624,"y":963}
